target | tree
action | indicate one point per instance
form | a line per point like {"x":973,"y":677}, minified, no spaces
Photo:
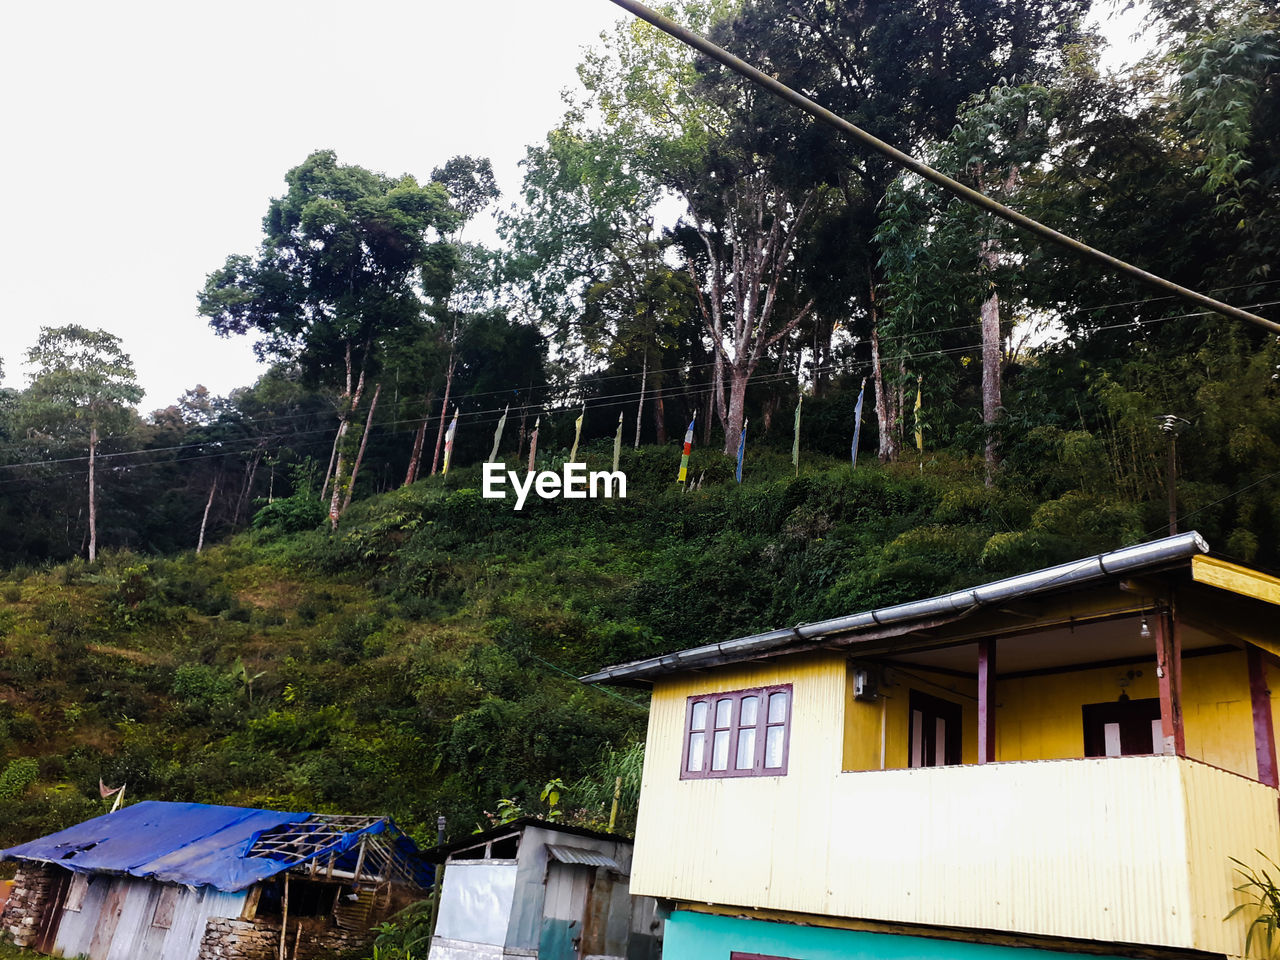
{"x":900,"y":69}
{"x":83,"y":380}
{"x":346,"y":257}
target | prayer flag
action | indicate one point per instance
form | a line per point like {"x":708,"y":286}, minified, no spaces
{"x":795,"y":444}
{"x":857,"y":419}
{"x":448,"y":442}
{"x":688,"y":448}
{"x":533,"y":442}
{"x":742,"y":448}
{"x":497,"y":436}
{"x":617,"y":445}
{"x":919,"y":402}
{"x":577,"y":433}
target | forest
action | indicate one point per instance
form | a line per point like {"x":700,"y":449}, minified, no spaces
{"x":294,"y":595}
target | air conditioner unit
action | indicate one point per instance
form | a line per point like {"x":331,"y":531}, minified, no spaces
{"x":865,"y":684}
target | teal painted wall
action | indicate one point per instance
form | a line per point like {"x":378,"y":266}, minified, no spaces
{"x":701,"y":936}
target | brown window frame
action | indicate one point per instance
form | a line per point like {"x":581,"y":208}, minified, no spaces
{"x":761,"y":727}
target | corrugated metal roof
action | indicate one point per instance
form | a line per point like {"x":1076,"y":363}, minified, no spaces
{"x":590,"y":858}
{"x":904,"y":617}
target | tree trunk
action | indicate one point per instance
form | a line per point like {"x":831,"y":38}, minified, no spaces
{"x":93,"y":500}
{"x":205,"y":519}
{"x":644,"y":376}
{"x":992,"y":341}
{"x":444,"y":411}
{"x":368,"y":425}
{"x":246,"y":490}
{"x":419,"y":436}
{"x":737,"y":409}
{"x":328,"y":471}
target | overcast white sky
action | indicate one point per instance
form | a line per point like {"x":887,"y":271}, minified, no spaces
{"x":143,"y":140}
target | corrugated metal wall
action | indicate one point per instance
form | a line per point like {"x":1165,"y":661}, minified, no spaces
{"x":115,"y":921}
{"x":1095,"y":849}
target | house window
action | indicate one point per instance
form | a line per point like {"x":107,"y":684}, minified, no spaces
{"x":934,"y":737}
{"x":1122,"y":728}
{"x":744,"y":733}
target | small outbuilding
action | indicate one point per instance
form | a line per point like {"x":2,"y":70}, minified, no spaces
{"x":532,"y":888}
{"x":191,"y":881}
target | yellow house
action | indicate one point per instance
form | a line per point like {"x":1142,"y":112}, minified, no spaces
{"x":1064,"y":761}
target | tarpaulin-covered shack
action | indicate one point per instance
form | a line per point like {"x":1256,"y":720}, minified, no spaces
{"x":191,"y":881}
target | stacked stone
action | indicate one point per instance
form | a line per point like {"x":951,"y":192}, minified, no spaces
{"x":227,"y":939}
{"x":34,"y":885}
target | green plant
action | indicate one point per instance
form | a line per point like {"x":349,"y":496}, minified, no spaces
{"x":1262,"y":895}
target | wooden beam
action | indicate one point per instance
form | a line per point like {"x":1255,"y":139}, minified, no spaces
{"x":1169,"y":673}
{"x":1264,"y":736}
{"x":1237,"y":579}
{"x":986,"y":701}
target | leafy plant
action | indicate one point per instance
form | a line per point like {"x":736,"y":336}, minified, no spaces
{"x":1262,"y":895}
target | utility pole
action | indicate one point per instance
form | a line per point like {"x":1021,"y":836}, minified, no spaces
{"x":1172,"y":425}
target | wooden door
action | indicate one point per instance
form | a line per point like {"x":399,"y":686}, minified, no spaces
{"x":1122,"y":728}
{"x":47,"y":925}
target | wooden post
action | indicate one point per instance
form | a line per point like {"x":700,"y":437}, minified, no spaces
{"x":1169,"y":675}
{"x":986,"y":701}
{"x":359,"y":862}
{"x":284,"y":913}
{"x":1264,"y":737}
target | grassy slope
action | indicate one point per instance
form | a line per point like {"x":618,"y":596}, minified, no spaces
{"x":421,"y":661}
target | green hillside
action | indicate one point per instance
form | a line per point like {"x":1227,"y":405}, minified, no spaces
{"x":422,"y":660}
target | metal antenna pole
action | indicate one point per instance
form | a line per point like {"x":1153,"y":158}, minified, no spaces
{"x":954,"y":186}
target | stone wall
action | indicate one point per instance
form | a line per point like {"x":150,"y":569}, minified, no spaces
{"x":226,"y":939}
{"x":34,"y":885}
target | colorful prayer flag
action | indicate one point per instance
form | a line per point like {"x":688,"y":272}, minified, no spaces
{"x":742,"y":448}
{"x":688,"y":449}
{"x":533,"y":442}
{"x":795,"y":444}
{"x":617,"y":445}
{"x":857,"y":419}
{"x":577,"y":433}
{"x":919,"y":402}
{"x":448,"y":442}
{"x":497,"y":436}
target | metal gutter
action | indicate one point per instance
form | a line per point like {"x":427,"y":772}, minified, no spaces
{"x":1124,"y":561}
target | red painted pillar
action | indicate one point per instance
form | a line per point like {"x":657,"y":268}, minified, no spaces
{"x":986,"y":701}
{"x":1169,"y":675}
{"x":1264,"y":737}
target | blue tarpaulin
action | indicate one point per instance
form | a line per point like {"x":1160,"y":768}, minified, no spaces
{"x":191,"y":843}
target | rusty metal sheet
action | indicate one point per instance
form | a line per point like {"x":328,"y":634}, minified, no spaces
{"x":581,"y":855}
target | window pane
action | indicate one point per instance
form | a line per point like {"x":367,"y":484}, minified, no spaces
{"x":773,"y":747}
{"x":1111,"y":736}
{"x":747,"y":715}
{"x":746,"y":758}
{"x":697,"y":742}
{"x":698,"y":721}
{"x":720,"y":751}
{"x":777,"y":707}
{"x":724,"y":708}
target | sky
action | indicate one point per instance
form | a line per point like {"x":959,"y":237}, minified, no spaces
{"x":142,"y":141}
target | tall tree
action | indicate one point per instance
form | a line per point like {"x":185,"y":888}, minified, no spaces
{"x":82,"y":382}
{"x":900,"y":69}
{"x":345,"y":256}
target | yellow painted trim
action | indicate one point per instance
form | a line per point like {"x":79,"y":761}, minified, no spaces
{"x":1237,"y":579}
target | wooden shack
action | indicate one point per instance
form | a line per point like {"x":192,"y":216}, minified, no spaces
{"x":531,"y":888}
{"x":189,"y":881}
